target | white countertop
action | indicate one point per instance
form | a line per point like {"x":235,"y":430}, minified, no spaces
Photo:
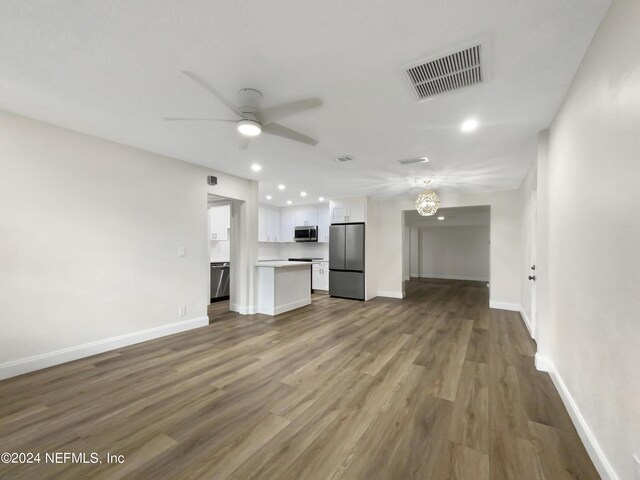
{"x":281,"y":264}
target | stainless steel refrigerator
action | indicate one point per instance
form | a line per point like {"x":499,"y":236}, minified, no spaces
{"x":346,"y":261}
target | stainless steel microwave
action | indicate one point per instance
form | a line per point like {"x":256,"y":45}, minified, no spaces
{"x":306,"y":234}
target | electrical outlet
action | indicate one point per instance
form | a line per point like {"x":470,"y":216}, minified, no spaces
{"x":182,"y":252}
{"x":637,"y":465}
{"x":182,"y":311}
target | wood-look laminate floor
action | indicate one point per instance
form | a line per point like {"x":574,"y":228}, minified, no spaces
{"x":436,"y":386}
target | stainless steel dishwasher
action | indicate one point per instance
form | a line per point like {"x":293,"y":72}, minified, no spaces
{"x":220,"y":281}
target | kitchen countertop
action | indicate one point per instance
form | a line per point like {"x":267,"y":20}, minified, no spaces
{"x":281,"y":264}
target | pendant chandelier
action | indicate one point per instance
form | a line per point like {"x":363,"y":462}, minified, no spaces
{"x":427,"y":203}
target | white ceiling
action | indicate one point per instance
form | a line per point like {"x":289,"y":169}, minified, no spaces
{"x":113,"y":69}
{"x":456,"y":216}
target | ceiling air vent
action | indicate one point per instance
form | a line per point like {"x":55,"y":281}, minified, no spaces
{"x":446,"y":73}
{"x":413,"y":161}
{"x":344,"y":158}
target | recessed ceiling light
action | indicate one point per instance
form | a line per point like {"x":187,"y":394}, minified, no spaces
{"x":269,"y":197}
{"x":469,"y":125}
{"x":280,"y":187}
{"x":440,"y":218}
{"x":321,"y":199}
{"x":288,"y":202}
{"x":250,"y":128}
{"x":303,"y":194}
{"x":255,"y":167}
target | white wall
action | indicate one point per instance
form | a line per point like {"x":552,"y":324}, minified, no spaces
{"x":406,"y":253}
{"x":390,"y":230}
{"x":414,"y":253}
{"x":589,"y":204}
{"x":90,"y":238}
{"x":371,"y":250}
{"x":220,"y":250}
{"x":460,"y":252}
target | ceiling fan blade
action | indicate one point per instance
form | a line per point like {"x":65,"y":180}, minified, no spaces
{"x":284,"y":132}
{"x":244,"y":142}
{"x":197,"y":119}
{"x":273,"y":114}
{"x":204,"y":84}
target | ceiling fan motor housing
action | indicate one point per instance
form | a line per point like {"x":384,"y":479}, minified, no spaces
{"x":249,"y":100}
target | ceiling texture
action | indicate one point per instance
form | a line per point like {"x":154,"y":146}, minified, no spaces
{"x":113,"y":69}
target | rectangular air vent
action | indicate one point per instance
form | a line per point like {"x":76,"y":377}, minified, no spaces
{"x":444,"y":74}
{"x":344,"y":158}
{"x":413,"y":161}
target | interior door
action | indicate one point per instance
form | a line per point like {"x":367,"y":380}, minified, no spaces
{"x":533,"y":215}
{"x":354,"y":247}
{"x":336,"y":247}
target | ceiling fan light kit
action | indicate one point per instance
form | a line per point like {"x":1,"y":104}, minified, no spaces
{"x":248,"y":127}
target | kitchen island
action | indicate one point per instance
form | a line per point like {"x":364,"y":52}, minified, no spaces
{"x":283,"y":286}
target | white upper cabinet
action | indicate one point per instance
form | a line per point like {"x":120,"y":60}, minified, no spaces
{"x":306,"y":217}
{"x":287,"y":224}
{"x":262,"y":223}
{"x":278,"y":224}
{"x":338,"y":211}
{"x":323,"y":224}
{"x":268,"y":224}
{"x":219,"y":222}
{"x":273,"y":225}
{"x":349,"y":210}
{"x":357,"y":210}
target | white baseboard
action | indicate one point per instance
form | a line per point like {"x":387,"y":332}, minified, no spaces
{"x":514,"y":307}
{"x":292,"y":306}
{"x":599,"y":459}
{"x":391,"y":294}
{"x":243,"y":309}
{"x":414,"y":275}
{"x":527,"y":322}
{"x":407,"y":278}
{"x":37,"y":362}
{"x":453,"y":277}
{"x":285,"y":308}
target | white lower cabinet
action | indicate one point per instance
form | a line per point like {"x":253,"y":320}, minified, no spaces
{"x":320,"y":276}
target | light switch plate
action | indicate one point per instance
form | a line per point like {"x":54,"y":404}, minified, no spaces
{"x":182,"y":311}
{"x":182,"y":252}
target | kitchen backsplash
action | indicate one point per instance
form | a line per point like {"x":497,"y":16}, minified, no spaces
{"x":269,"y":251}
{"x":219,"y":251}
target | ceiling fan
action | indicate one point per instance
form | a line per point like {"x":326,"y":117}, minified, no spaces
{"x":254,"y":120}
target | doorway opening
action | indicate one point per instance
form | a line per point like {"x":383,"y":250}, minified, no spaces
{"x":451,"y":246}
{"x":220,"y":242}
